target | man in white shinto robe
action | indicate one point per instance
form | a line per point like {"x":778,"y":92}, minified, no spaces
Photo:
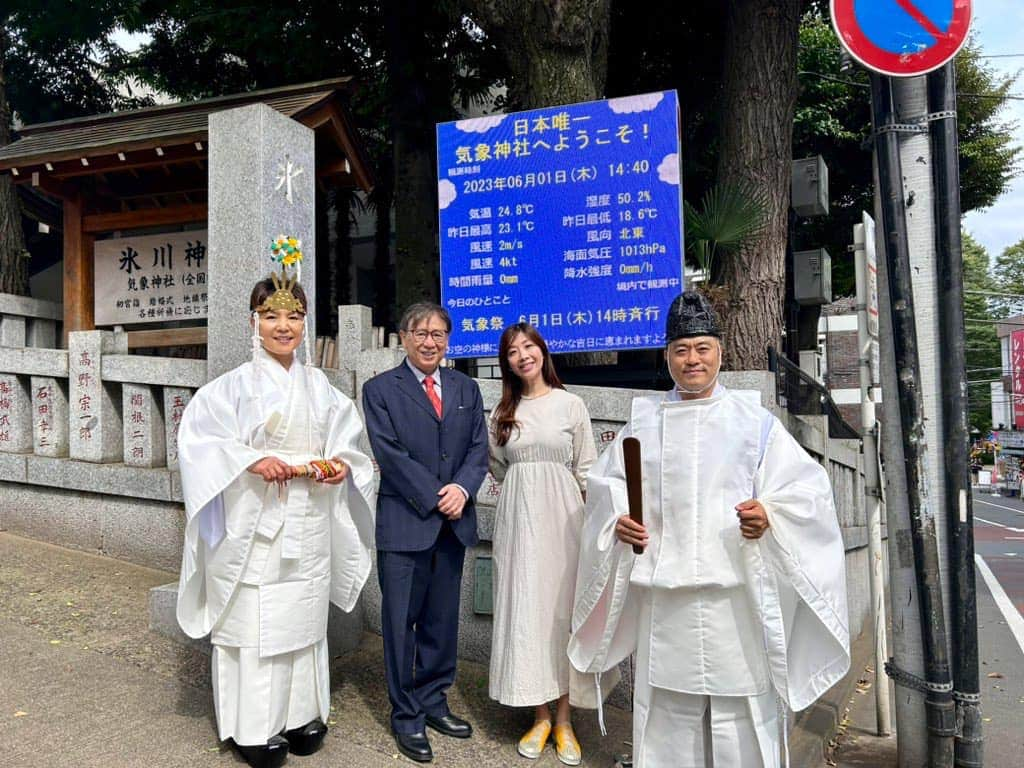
{"x":737,"y":604}
{"x":262,"y":559}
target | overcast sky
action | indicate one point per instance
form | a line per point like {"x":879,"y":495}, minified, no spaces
{"x":998,"y":25}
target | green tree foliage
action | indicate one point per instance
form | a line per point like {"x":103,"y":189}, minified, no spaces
{"x":1008,"y":272}
{"x":60,"y":60}
{"x":980,"y":311}
{"x":56,"y":61}
{"x":833,"y":119}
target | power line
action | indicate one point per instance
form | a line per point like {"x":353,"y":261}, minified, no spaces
{"x":865,"y":86}
{"x":996,"y":293}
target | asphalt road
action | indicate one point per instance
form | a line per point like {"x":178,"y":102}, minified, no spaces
{"x":999,"y":557}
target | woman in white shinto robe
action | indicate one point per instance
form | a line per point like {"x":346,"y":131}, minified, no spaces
{"x":542,"y":447}
{"x":266,"y":551}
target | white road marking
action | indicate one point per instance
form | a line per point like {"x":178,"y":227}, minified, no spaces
{"x":1000,"y":506}
{"x":1013,"y":618}
{"x":1000,"y":525}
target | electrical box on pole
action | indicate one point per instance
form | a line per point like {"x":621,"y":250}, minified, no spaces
{"x":808,"y":187}
{"x":812,"y":277}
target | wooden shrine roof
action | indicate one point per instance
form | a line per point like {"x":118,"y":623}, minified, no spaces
{"x":174,"y":133}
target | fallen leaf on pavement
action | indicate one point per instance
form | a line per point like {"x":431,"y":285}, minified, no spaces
{"x":19,"y":713}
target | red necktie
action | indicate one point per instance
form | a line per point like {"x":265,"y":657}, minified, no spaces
{"x":435,"y":401}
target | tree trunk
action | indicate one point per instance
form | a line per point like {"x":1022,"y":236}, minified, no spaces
{"x":383,"y":278}
{"x":759,"y":95}
{"x":557,"y":53}
{"x":412,"y":136}
{"x":342,"y":203}
{"x":13,"y":254}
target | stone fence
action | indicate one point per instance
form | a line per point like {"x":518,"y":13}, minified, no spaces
{"x":88,"y":451}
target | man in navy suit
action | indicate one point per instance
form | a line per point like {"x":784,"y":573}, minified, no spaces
{"x":427,"y":431}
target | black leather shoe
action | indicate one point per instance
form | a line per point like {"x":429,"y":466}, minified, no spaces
{"x":269,"y":755}
{"x":307,"y":739}
{"x":415,"y":746}
{"x":450,"y":725}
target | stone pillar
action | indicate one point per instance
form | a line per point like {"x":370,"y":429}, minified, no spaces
{"x":355,"y":329}
{"x":144,"y":439}
{"x":175,"y":400}
{"x":95,"y":423}
{"x":49,"y":417}
{"x":41,"y":333}
{"x":12,"y":331}
{"x":15,"y":414}
{"x":262,"y":184}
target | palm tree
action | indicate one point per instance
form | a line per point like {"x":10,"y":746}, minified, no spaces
{"x":729,"y":217}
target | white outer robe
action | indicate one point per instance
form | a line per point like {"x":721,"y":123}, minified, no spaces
{"x":222,"y":432}
{"x":700,"y":459}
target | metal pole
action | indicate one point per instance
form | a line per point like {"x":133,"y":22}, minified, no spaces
{"x":956,"y":432}
{"x":864,"y":241}
{"x":938,"y":699}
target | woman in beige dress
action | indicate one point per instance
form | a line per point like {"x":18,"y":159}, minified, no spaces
{"x":541,"y":448}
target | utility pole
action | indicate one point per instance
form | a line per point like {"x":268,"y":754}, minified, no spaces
{"x":867,"y":345}
{"x":916,"y":534}
{"x":956,"y":434}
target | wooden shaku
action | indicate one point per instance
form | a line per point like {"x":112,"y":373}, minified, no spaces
{"x":634,"y":483}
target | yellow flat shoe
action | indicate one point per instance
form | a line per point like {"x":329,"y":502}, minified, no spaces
{"x":532,"y":743}
{"x":566,"y":746}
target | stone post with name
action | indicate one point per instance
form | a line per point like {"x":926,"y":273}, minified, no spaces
{"x":50,"y":415}
{"x":15,"y":414}
{"x":262,"y":182}
{"x":175,"y":400}
{"x":95,"y":424}
{"x":144,"y":440}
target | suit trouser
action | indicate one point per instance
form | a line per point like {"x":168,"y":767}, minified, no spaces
{"x":420,"y":624}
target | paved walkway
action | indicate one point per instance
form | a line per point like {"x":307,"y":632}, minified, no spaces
{"x":85,"y":683}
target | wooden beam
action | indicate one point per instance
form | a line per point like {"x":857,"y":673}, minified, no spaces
{"x":331,"y":117}
{"x":194,"y":336}
{"x":138,"y":147}
{"x":79,"y":281}
{"x":133,"y":159}
{"x":337,"y":168}
{"x":146,"y":217}
{"x":45,"y":183}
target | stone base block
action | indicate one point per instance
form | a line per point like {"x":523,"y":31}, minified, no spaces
{"x":344,"y":630}
{"x":142,"y":531}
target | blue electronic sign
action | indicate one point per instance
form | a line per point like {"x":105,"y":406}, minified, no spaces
{"x":566,"y":217}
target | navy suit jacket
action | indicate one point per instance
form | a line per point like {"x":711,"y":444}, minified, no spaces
{"x":418,"y":453}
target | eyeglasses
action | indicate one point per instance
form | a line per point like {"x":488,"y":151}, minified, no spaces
{"x":421,"y":335}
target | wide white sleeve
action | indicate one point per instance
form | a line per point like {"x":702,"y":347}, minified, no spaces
{"x":804,"y":549}
{"x":212,"y":451}
{"x":353,"y":504}
{"x":212,"y":454}
{"x":602,"y":636}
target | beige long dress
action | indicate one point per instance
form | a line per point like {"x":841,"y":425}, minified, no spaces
{"x":536,"y":546}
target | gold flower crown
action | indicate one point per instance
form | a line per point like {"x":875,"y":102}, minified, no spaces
{"x":286,"y":251}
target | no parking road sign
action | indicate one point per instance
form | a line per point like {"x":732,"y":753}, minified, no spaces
{"x":902,"y":38}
